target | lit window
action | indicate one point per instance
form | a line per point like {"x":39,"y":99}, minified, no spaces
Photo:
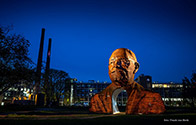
{"x":165,"y":86}
{"x":165,"y":99}
{"x":2,"y":103}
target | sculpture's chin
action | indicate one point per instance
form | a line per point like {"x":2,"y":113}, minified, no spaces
{"x":120,"y":77}
{"x":122,"y":82}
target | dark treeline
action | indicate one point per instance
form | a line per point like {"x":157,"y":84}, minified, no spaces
{"x":189,"y":90}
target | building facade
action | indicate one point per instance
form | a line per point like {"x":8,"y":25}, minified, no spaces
{"x":171,"y":93}
{"x":84,"y":91}
{"x":145,"y":81}
{"x":80,"y":93}
{"x":20,"y":91}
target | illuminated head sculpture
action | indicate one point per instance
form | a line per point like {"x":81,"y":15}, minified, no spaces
{"x":122,"y":67}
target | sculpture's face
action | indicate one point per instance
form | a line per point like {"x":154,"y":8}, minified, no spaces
{"x":122,"y":67}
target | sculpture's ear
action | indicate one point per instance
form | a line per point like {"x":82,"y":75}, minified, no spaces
{"x":137,"y":65}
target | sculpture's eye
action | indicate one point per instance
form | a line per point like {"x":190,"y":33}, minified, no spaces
{"x":125,"y":62}
{"x":112,"y":61}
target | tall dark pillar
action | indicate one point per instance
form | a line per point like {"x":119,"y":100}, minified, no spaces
{"x":39,"y":65}
{"x":39,"y":62}
{"x":48,"y":57}
{"x":46,"y":83}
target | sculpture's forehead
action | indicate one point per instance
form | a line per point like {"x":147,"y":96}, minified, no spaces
{"x":121,"y":53}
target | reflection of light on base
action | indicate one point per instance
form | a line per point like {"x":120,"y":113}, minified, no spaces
{"x":114,"y":102}
{"x":116,"y":112}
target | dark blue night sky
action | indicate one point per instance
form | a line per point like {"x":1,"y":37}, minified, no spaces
{"x":162,"y":34}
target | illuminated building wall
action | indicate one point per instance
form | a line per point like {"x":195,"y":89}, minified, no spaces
{"x":83,"y":92}
{"x":19,"y":91}
{"x":171,"y":93}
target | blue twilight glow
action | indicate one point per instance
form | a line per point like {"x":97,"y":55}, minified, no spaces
{"x":162,"y":34}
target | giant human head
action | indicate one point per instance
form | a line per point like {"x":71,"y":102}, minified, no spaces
{"x":122,"y":67}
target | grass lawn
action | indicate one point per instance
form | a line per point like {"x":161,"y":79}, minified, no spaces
{"x":81,"y":116}
{"x":84,"y":119}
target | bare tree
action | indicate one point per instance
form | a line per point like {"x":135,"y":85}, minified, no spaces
{"x":55,"y":87}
